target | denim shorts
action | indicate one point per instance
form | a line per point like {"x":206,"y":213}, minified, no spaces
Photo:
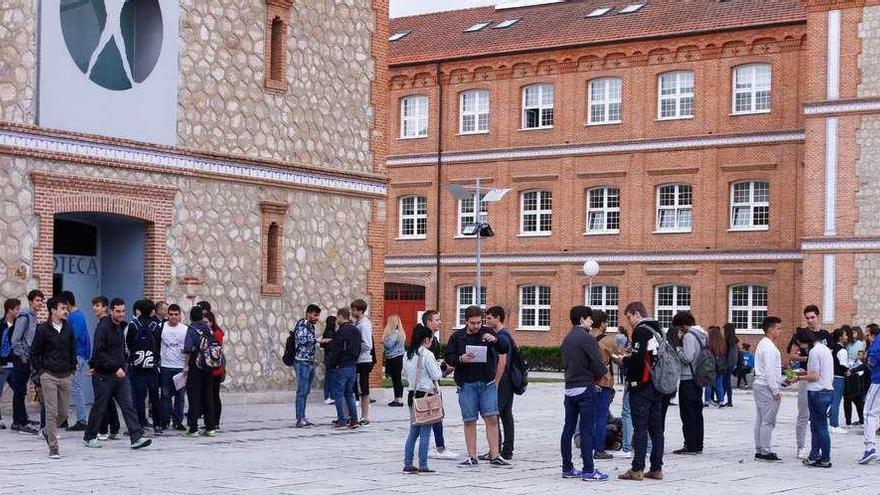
{"x":477,"y":399}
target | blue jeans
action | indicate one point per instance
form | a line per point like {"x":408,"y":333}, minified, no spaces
{"x":5,"y":376}
{"x":717,"y":388}
{"x":626,"y":419}
{"x":21,"y":374}
{"x":77,"y":397}
{"x":423,"y":434}
{"x":820,"y":441}
{"x":343,"y":394}
{"x":305,"y":372}
{"x":834,"y":417}
{"x":328,"y":384}
{"x":439,"y":441}
{"x":603,"y":402}
{"x":145,"y":383}
{"x":580,"y":413}
{"x":477,"y":399}
{"x":166,"y":411}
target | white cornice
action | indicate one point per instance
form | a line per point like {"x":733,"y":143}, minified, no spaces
{"x":605,"y":148}
{"x":841,"y":107}
{"x":842,"y":245}
{"x":82,"y":150}
{"x":648,"y":257}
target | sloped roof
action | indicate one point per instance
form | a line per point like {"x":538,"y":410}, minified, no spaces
{"x":442,"y":36}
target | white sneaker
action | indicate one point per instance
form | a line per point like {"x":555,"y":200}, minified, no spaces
{"x":802,"y":453}
{"x":838,"y":430}
{"x":103,"y":437}
{"x":446,"y":455}
{"x":329,"y":402}
{"x":622,"y":454}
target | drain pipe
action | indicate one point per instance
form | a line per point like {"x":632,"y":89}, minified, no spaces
{"x":439,"y":185}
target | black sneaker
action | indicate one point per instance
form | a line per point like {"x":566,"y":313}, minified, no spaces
{"x":602,"y":455}
{"x":684,"y":451}
{"x":498,"y":462}
{"x":772,"y":457}
{"x":410,"y":470}
{"x":810,"y":462}
{"x":64,"y":425}
{"x":469,"y":462}
{"x":28,"y":429}
{"x":78,"y":426}
{"x":507,"y":455}
{"x":823,"y":464}
{"x":427,"y":471}
{"x":2,"y":425}
{"x":179,"y":427}
{"x":484,"y":457}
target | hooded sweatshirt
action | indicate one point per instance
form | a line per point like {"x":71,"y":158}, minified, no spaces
{"x":23,"y":335}
{"x":695,"y":339}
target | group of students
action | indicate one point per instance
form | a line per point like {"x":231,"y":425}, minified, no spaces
{"x":153,"y":356}
{"x":823,"y":366}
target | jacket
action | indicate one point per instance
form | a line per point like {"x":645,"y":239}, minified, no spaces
{"x":430,"y":371}
{"x":394,"y":345}
{"x":691,"y":343}
{"x":109,"y":350}
{"x":582,"y":359}
{"x":83,"y":343}
{"x":607,"y":347}
{"x":23,"y":335}
{"x":641,"y":359}
{"x":346,"y":346}
{"x":52,"y":351}
{"x":474,"y":372}
{"x":732,"y":356}
{"x":873,"y":358}
{"x":142,"y":338}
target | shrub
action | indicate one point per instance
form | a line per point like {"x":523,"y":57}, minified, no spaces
{"x":543,"y":358}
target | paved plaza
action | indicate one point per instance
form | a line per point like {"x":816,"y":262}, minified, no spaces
{"x":258,"y":451}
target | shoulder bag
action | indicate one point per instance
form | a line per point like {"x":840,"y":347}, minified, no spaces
{"x":427,"y":410}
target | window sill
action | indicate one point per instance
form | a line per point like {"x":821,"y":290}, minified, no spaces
{"x":605,"y":232}
{"x":465,"y":237}
{"x":536,"y":234}
{"x":749,"y":229}
{"x":475,"y":133}
{"x":533,"y":329}
{"x":420,"y":238}
{"x":665,"y":119}
{"x":546,"y":128}
{"x":597,"y":124}
{"x":689,"y":231}
{"x":756,"y":112}
{"x":412,"y":137}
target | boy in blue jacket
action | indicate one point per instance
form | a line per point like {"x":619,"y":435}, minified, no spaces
{"x":872,"y":399}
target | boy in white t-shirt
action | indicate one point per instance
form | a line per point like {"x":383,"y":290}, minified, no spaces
{"x":173,"y":335}
{"x":820,"y":393}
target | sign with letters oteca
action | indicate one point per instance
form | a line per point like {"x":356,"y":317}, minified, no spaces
{"x":110,"y":67}
{"x":69,"y":264}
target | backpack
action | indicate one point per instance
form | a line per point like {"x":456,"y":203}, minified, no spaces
{"x":210,"y":354}
{"x":289,"y":357}
{"x":144,"y":345}
{"x":517,"y":368}
{"x":6,"y":344}
{"x":666,"y":371}
{"x":704,"y":372}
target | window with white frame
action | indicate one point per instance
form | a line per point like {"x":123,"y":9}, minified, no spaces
{"x":670,"y":299}
{"x":413,"y":217}
{"x":750,"y":205}
{"x":537,"y":102}
{"x":467,"y":215}
{"x":747,"y":306}
{"x":603,"y":210}
{"x":536,"y":213}
{"x":464,"y":297}
{"x":675,"y":95}
{"x":674,"y":208}
{"x":604,"y":97}
{"x":474,"y":111}
{"x":534,"y":307}
{"x":605,"y":298}
{"x":751,"y":89}
{"x":414,"y":116}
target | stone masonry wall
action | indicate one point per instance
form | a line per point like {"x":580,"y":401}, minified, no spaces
{"x":216,"y":237}
{"x":18,"y":60}
{"x":869,"y":60}
{"x":324,"y":118}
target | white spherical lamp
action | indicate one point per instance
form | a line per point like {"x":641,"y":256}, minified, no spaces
{"x":591,"y":268}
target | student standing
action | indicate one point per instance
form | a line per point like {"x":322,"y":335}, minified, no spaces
{"x":731,"y":343}
{"x":422,"y":373}
{"x":432,"y":321}
{"x":477,"y":391}
{"x":53,"y":358}
{"x":394,"y":344}
{"x":110,"y":380}
{"x":109,"y":427}
{"x":607,"y":348}
{"x":173,"y":339}
{"x":23,"y":334}
{"x":646,"y":402}
{"x":765,"y":388}
{"x":326,"y":339}
{"x":872,"y":398}
{"x":495,"y":317}
{"x":11,"y":308}
{"x":800,"y":355}
{"x":840,"y":357}
{"x":77,"y":322}
{"x":583,"y":370}
{"x":690,"y":339}
{"x":819,"y":379}
{"x":218,"y":374}
{"x":304,"y":361}
{"x":718,"y":348}
{"x":144,"y":346}
{"x":344,"y":352}
{"x":199,"y":380}
{"x":365,"y":359}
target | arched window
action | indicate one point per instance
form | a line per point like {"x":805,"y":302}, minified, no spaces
{"x":465,"y":295}
{"x":603,"y":210}
{"x":670,"y":299}
{"x":534,"y":307}
{"x":414,"y":116}
{"x":474,"y":112}
{"x":275,"y":44}
{"x":747,"y":307}
{"x":537,"y":106}
{"x":674,"y":208}
{"x":413,"y":213}
{"x":751,"y":89}
{"x":750,"y":205}
{"x":605,"y":99}
{"x":272,"y":251}
{"x":605,"y":298}
{"x":536,"y":213}
{"x":675,"y":95}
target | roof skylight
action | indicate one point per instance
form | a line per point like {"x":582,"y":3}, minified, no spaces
{"x":478,"y":26}
{"x":599,"y":12}
{"x":631,"y":8}
{"x":507,"y":23}
{"x":398,"y":35}
{"x":513,"y":4}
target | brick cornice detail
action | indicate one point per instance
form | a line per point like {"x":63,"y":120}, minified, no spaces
{"x":826,"y":5}
{"x":73,"y":184}
{"x":283,"y":4}
{"x":274,"y":208}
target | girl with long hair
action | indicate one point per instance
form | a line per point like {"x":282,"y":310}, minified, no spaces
{"x":394,"y":342}
{"x":718,"y":348}
{"x":731,"y":344}
{"x":422,"y":371}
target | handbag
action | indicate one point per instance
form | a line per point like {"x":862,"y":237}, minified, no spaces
{"x":427,"y":410}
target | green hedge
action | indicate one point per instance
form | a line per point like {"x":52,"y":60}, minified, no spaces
{"x":538,"y":358}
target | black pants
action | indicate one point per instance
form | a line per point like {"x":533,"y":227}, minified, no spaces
{"x":110,"y":389}
{"x":200,"y":395}
{"x":690,"y":408}
{"x":110,"y":423}
{"x":215,"y":393}
{"x":394,"y":369}
{"x":362,"y":382}
{"x":859,"y":401}
{"x":21,"y":373}
{"x":145,"y":382}
{"x":646,"y":407}
{"x":505,"y":414}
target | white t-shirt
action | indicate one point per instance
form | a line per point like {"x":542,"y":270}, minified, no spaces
{"x":820,"y":361}
{"x":173,"y":338}
{"x":366,"y":328}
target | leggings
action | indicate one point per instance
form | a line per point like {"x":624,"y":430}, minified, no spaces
{"x":394,"y":369}
{"x":859,"y":401}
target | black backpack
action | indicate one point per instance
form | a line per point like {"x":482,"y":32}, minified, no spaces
{"x":518,"y":369}
{"x":289,"y":357}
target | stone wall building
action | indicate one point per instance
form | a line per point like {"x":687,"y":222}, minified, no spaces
{"x":679,"y":144}
{"x":233,"y":152}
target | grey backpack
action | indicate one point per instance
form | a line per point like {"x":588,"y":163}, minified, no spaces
{"x":666,"y":371}
{"x":703,"y":367}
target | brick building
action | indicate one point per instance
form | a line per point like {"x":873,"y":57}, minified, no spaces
{"x":220,"y":150}
{"x":682,"y":145}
